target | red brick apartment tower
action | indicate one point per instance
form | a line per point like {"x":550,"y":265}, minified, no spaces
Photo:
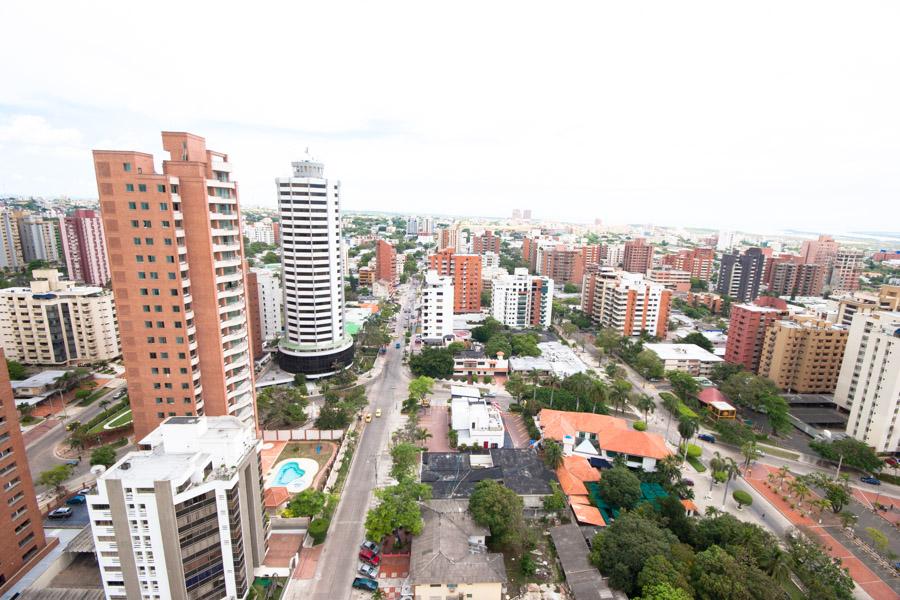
{"x":529,"y":253}
{"x":177,"y":262}
{"x":21,"y":531}
{"x":486,"y":242}
{"x":253,"y":314}
{"x":385,"y":262}
{"x":747,"y":329}
{"x":593,"y":254}
{"x":563,"y":265}
{"x":638,"y":256}
{"x":466,"y":272}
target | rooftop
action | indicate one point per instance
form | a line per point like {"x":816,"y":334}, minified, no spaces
{"x":464,"y":391}
{"x":452,"y":475}
{"x":44,"y":378}
{"x":682,"y":352}
{"x":613,"y":434}
{"x":555,"y":357}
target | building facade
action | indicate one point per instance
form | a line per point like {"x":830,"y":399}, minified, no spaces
{"x":796,"y":279}
{"x":437,"y":308}
{"x":271,"y":304}
{"x":181,"y":518}
{"x":847,"y":269}
{"x":521,"y":300}
{"x":747,"y":330}
{"x":869,"y":381}
{"x":56,"y":322}
{"x":84,"y":247}
{"x":10,"y":242}
{"x":740,"y":275}
{"x":315,"y":342}
{"x":177,"y":269}
{"x":803,"y":356}
{"x":465,"y":269}
{"x":696,"y":261}
{"x":562,"y":265}
{"x":626,"y":302}
{"x":638,"y":256}
{"x":386,"y":262}
{"x":39,"y":238}
{"x":486,"y":242}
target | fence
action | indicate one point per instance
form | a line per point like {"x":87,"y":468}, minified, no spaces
{"x":302,"y":435}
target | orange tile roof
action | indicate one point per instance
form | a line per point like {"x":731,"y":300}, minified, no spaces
{"x":589,"y":515}
{"x":572,"y":474}
{"x":710,"y":395}
{"x":275,"y":497}
{"x":690,"y":506}
{"x":612,"y":433}
{"x":582,"y":500}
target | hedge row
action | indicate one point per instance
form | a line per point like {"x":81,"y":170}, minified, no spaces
{"x":112,"y":410}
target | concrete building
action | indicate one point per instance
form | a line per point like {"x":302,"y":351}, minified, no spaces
{"x":10,"y":242}
{"x":637,"y":256}
{"x":366,"y":276}
{"x":686,"y":358}
{"x":447,"y":237}
{"x":615,"y":255}
{"x":254,"y":318}
{"x":710,"y":300}
{"x":850,"y":303}
{"x":740,"y":275}
{"x":474,"y":363}
{"x":820,"y":251}
{"x":475,"y":421}
{"x":271,"y":304}
{"x":673,"y":279}
{"x":177,"y":264}
{"x":696,"y":261}
{"x":521,"y":300}
{"x":315,"y":341}
{"x":726,"y":240}
{"x":486,"y":242}
{"x":465,"y":269}
{"x":181,"y":518}
{"x":264,"y":231}
{"x":56,"y":322}
{"x":789,"y":278}
{"x":490,"y":260}
{"x":555,"y":359}
{"x":562,"y":265}
{"x":626,"y":302}
{"x":889,"y":298}
{"x":84,"y":247}
{"x":39,"y":238}
{"x":869,"y":382}
{"x":747,"y":330}
{"x":803,"y":356}
{"x":21,"y":532}
{"x":386,"y":262}
{"x":847,"y":269}
{"x":437,"y":308}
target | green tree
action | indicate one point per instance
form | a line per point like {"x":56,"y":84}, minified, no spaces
{"x":742,"y":498}
{"x":553,"y":454}
{"x":484,"y":332}
{"x":683,"y":384}
{"x":16,"y":370}
{"x":823,"y":577}
{"x":750,"y":452}
{"x":746,"y":389}
{"x":607,"y":339}
{"x":432,"y":362}
{"x":664,"y":591}
{"x":645,"y":404}
{"x":318,"y":529}
{"x":398,"y":508}
{"x":281,"y":407}
{"x":570,"y":288}
{"x":878,"y":539}
{"x":620,"y":487}
{"x":420,"y":387}
{"x":723,"y":370}
{"x":698,"y":339}
{"x":485,"y":297}
{"x":498,"y":343}
{"x":308,"y":503}
{"x":499,"y":509}
{"x":716,"y":575}
{"x":658,"y":570}
{"x":687,"y":427}
{"x":270,"y":258}
{"x":556,"y":501}
{"x":623,"y":548}
{"x":405,"y":457}
{"x":300,"y":381}
{"x":777,"y":413}
{"x":455,"y":348}
{"x":856,"y":453}
{"x":104,"y":455}
{"x":649,"y":365}
{"x":55,"y":478}
{"x":332,"y":417}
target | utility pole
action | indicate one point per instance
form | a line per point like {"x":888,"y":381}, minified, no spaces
{"x":840,"y":462}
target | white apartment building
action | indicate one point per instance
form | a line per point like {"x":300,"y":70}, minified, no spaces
{"x":271,"y":303}
{"x":315,"y":342}
{"x":615,"y":255}
{"x":475,"y":421}
{"x":490,"y":260}
{"x":521,"y":300}
{"x":56,"y":322}
{"x":687,"y":358}
{"x":626,"y":302}
{"x":10,"y":243}
{"x":182,"y":517}
{"x":869,"y":382}
{"x":437,"y":308}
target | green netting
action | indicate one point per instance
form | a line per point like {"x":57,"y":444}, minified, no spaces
{"x":650,"y":492}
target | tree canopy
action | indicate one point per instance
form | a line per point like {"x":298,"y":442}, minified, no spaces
{"x":698,"y":339}
{"x":499,"y":509}
{"x":397,"y":508}
{"x":856,"y":453}
{"x":620,"y":487}
{"x":436,"y":363}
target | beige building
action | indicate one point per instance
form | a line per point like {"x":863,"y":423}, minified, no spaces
{"x":889,"y":297}
{"x":803,"y":356}
{"x":57,"y":322}
{"x":852,"y":303}
{"x":450,"y":560}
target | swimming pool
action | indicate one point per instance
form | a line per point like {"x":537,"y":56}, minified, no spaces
{"x":288,"y":472}
{"x":295,"y":474}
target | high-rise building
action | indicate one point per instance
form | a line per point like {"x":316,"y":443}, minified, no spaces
{"x":20,"y":520}
{"x":517,"y":213}
{"x":315,"y":342}
{"x":615,"y":254}
{"x":593,"y":254}
{"x":486,"y":242}
{"x":740,"y":275}
{"x":56,"y":322}
{"x":182,"y":516}
{"x":790,"y":278}
{"x":39,"y":238}
{"x":84,"y":247}
{"x":385,"y":262}
{"x":177,"y":265}
{"x":889,"y":298}
{"x":847,"y":269}
{"x":747,"y":330}
{"x":696,"y":261}
{"x":725,"y":241}
{"x":562,"y":265}
{"x":820,"y":251}
{"x":448,"y":237}
{"x":254,"y":318}
{"x":521,"y":300}
{"x":638,"y":256}
{"x":412,"y":226}
{"x":679,"y":281}
{"x":262,"y":231}
{"x":526,"y":214}
{"x":869,"y":382}
{"x":466,"y":272}
{"x":10,"y":242}
{"x":626,"y":302}
{"x":803,"y":356}
{"x":437,"y":308}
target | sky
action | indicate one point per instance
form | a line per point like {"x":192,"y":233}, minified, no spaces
{"x":761,"y":116}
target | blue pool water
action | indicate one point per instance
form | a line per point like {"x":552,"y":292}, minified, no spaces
{"x":288,"y":473}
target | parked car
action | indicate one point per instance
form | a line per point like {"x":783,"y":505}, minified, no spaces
{"x":60,"y":513}
{"x":870,"y":480}
{"x":367,"y":556}
{"x":76,"y":499}
{"x":688,"y":482}
{"x":367,"y":545}
{"x":74,"y":462}
{"x":397,"y":345}
{"x":491,"y":395}
{"x":364,"y":583}
{"x":85,"y":491}
{"x":891,"y":461}
{"x":707,"y":438}
{"x":368,"y":571}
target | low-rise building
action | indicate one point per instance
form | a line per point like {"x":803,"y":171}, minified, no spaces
{"x":475,"y":421}
{"x":555,"y":359}
{"x":716,"y":403}
{"x":679,"y":281}
{"x":475,"y":363}
{"x":36,"y":388}
{"x":686,"y":358}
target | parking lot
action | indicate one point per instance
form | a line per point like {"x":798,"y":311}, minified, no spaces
{"x":78,"y":519}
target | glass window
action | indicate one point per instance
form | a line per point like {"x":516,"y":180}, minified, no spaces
{"x":129,"y":187}
{"x":126,"y":167}
{"x":161,"y":188}
{"x":132,"y":205}
{"x":145,"y":205}
{"x":142,"y":187}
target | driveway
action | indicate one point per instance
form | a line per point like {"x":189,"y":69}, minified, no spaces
{"x":516,"y":430}
{"x":436,"y":420}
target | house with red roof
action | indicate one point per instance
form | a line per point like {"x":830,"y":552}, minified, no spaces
{"x":717,"y":403}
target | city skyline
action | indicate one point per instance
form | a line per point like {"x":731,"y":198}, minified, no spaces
{"x":596,"y":122}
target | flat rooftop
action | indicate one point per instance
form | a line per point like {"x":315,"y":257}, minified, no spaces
{"x":682,"y":352}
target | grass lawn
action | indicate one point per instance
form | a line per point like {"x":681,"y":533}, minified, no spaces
{"x":30,"y":420}
{"x":695,"y":462}
{"x":308,"y":450}
{"x":123,"y":417}
{"x":93,"y":397}
{"x":259,"y":588}
{"x":779,"y":452}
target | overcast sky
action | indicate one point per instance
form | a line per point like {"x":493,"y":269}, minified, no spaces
{"x":758,"y":115}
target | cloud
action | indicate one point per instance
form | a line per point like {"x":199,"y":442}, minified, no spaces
{"x":33,"y":130}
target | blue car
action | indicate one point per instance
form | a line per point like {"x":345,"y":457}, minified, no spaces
{"x":76,"y":499}
{"x":870,"y":480}
{"x":364,"y":583}
{"x":707,"y":438}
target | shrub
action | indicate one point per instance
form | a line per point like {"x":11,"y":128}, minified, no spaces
{"x":318,"y":529}
{"x":685,"y":411}
{"x":693,"y":450}
{"x":742,"y":498}
{"x":487,"y":379}
{"x":640,"y":426}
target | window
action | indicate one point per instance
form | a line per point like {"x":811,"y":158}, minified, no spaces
{"x":144,"y":291}
{"x":137,"y":241}
{"x":147,"y":224}
{"x":148,"y":241}
{"x":126,"y":167}
{"x":135,"y":222}
{"x":170,"y":260}
{"x":142,"y":187}
{"x":146,"y":308}
{"x":142,"y":275}
{"x":132,"y":205}
{"x":139,"y":258}
{"x":129,"y":187}
{"x":162,"y":189}
{"x":167,"y":242}
{"x":145,"y":206}
{"x":151,"y":258}
{"x":171,"y":275}
{"x":174,"y":188}
{"x":165,"y":224}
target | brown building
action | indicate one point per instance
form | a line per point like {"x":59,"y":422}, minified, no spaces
{"x":889,"y":298}
{"x":486,"y":242}
{"x":21,"y":527}
{"x":253,"y":315}
{"x":177,"y":263}
{"x":696,"y":261}
{"x":803,"y":356}
{"x":708,"y":299}
{"x":820,"y":251}
{"x":562,"y":265}
{"x":529,"y":253}
{"x":638,"y":256}
{"x":466,"y":272}
{"x":385,"y":262}
{"x":593,"y":254}
{"x":366,"y":277}
{"x":679,"y":281}
{"x":847,"y":269}
{"x":790,"y":278}
{"x":747,"y":329}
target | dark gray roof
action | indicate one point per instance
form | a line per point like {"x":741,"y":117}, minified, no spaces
{"x":61,"y":594}
{"x":442,"y":553}
{"x":451,"y":474}
{"x":83,"y":542}
{"x":523,"y":471}
{"x":584,"y":579}
{"x":470,"y":354}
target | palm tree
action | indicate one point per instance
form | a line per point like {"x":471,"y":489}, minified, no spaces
{"x":687,"y":427}
{"x":646,"y":405}
{"x":731,"y":471}
{"x":750,"y":452}
{"x":848,"y":519}
{"x":783,"y":472}
{"x":821,"y":505}
{"x":778,"y":565}
{"x":801,"y":491}
{"x":553,"y":380}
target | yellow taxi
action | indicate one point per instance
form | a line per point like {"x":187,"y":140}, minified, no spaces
{"x":368,"y":418}
{"x":377,"y":412}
